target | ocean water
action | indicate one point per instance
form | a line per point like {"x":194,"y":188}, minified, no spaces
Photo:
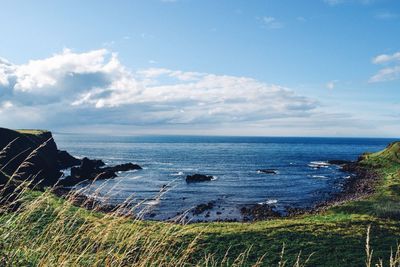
{"x":160,"y":188}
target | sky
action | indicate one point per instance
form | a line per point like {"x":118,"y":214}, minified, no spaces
{"x":202,"y":67}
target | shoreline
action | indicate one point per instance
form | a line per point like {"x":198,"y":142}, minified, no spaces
{"x":40,"y":148}
{"x":360,"y":184}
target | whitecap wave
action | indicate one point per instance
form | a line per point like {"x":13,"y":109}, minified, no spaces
{"x":177,"y":174}
{"x":318,"y":176}
{"x":318,"y":164}
{"x":152,"y":202}
{"x":269,"y":202}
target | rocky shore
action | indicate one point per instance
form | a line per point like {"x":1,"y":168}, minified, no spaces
{"x":31,"y":157}
{"x":360,"y":183}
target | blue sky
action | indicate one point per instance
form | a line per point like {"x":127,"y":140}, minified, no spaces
{"x":306,"y":68}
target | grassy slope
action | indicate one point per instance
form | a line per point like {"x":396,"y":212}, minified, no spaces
{"x":51,"y":231}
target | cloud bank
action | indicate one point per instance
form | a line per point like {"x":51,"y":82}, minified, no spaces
{"x":94,"y":88}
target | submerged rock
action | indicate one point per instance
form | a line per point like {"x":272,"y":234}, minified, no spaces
{"x":198,"y":178}
{"x":268,"y":171}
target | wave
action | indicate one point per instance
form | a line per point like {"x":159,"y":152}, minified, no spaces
{"x":268,"y":202}
{"x":177,"y":174}
{"x":319,"y":176}
{"x":318,"y":164}
{"x":135,"y":177}
{"x":152,"y":202}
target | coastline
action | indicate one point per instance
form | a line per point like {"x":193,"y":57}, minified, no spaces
{"x":334,"y":234}
{"x":361,"y":183}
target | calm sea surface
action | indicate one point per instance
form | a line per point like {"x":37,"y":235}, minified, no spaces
{"x":233,"y":161}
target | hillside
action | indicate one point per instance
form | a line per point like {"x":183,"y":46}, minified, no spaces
{"x":50,"y":231}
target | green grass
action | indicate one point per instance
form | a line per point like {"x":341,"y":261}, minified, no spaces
{"x":31,"y":131}
{"x":49,"y":231}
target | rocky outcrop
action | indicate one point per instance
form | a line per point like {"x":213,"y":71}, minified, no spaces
{"x":88,"y":169}
{"x":94,"y":170}
{"x":33,"y":156}
{"x":41,"y":166}
{"x":65,"y":160}
{"x":198,"y":178}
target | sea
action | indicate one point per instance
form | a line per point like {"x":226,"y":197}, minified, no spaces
{"x":160,"y":192}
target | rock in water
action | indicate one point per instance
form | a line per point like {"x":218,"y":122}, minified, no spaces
{"x":65,"y":160}
{"x":198,"y":178}
{"x":268,"y":171}
{"x":88,"y":169}
{"x":105,"y":175}
{"x":91,"y":169}
{"x":123,"y":167}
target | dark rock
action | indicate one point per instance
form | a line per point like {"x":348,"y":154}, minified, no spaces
{"x":92,"y":170}
{"x":15,"y":147}
{"x":40,"y":167}
{"x":88,"y":169}
{"x":9,"y":192}
{"x":199,"y":209}
{"x":258,"y":212}
{"x":123,"y":167}
{"x":338,"y":162}
{"x":105,"y":175}
{"x":198,"y":178}
{"x":65,"y":160}
{"x":14,"y":153}
{"x":268,"y":171}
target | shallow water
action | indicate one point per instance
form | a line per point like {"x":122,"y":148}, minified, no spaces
{"x":302,"y":179}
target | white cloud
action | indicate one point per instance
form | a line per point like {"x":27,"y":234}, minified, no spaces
{"x":331,"y":84}
{"x":388,"y":73}
{"x":271,"y":22}
{"x":95,"y":88}
{"x":384,"y":58}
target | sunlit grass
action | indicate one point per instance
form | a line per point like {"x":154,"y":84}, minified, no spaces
{"x":31,"y":131}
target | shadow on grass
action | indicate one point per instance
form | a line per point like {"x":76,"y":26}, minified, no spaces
{"x":327,"y":246}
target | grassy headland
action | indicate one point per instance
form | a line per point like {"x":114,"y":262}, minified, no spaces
{"x":49,"y":231}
